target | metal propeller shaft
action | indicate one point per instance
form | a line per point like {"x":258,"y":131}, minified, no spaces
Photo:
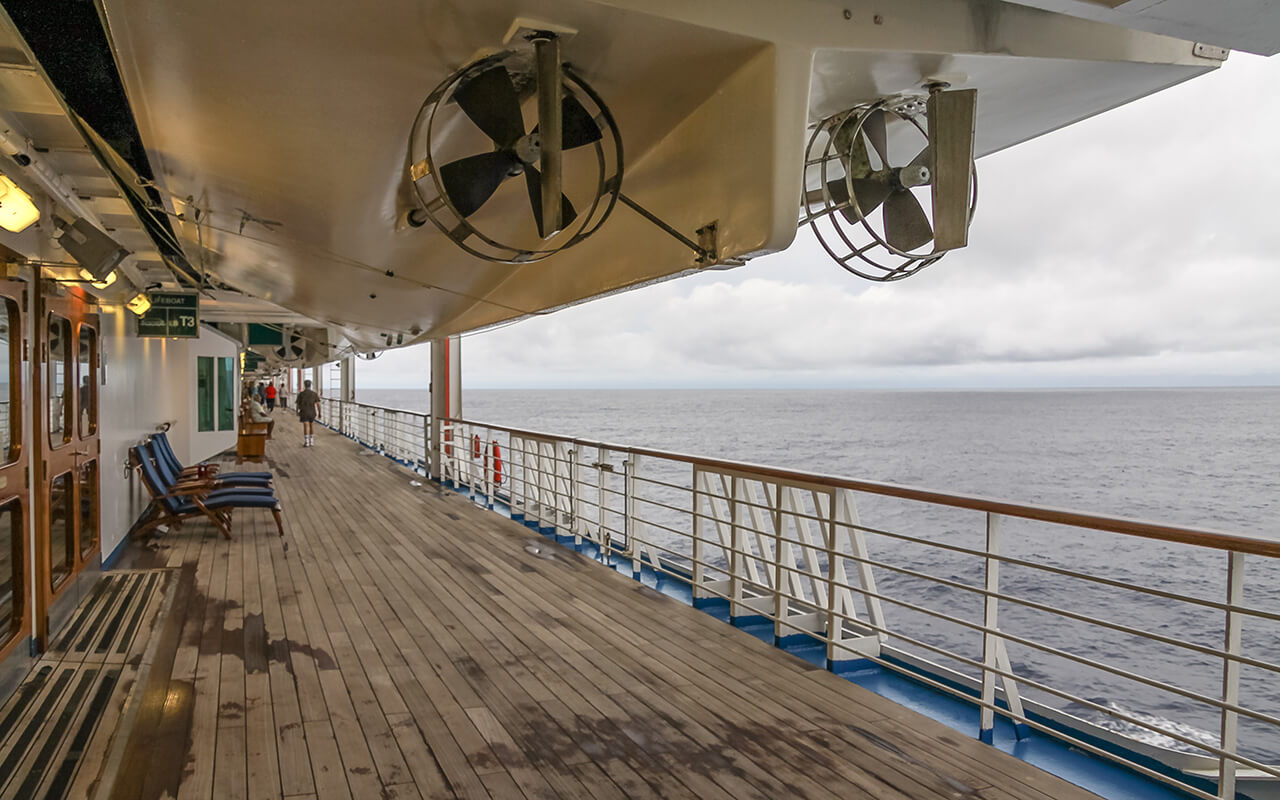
{"x":550,"y":125}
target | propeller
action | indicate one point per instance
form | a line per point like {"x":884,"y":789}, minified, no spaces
{"x":945,"y":163}
{"x":489,"y":99}
{"x":292,"y":344}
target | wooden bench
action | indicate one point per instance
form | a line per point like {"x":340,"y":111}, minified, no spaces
{"x":251,"y":440}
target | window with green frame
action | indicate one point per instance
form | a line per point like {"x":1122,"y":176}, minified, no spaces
{"x":204,"y":393}
{"x":226,"y":394}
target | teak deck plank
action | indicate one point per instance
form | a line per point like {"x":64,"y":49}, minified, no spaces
{"x":747,"y":764}
{"x":410,"y":645}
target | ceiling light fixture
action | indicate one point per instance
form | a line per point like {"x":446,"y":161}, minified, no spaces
{"x":97,"y":252}
{"x":17,"y":212}
{"x":139,"y":304}
{"x":102,"y":284}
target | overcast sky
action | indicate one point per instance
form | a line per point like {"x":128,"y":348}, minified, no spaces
{"x":1138,"y":248}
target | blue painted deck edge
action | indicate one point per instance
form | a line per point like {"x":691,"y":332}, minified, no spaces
{"x":750,"y":620}
{"x":793,"y":641}
{"x":115,"y":554}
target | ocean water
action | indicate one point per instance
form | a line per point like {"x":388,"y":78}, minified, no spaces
{"x":1205,"y":458}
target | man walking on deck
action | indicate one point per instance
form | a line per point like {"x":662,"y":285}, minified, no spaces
{"x":308,"y":404}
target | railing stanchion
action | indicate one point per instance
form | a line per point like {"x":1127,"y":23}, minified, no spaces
{"x":835,"y":571}
{"x":469,"y":448}
{"x":737,"y":568}
{"x":603,"y":473}
{"x":635,"y":543}
{"x":780,"y":605}
{"x":546,"y":482}
{"x":847,"y":515}
{"x":1231,"y":674}
{"x":699,"y":555}
{"x":629,"y":509}
{"x":426,"y":446}
{"x":995,"y":657}
{"x":575,"y":496}
{"x":525,"y":474}
{"x":990,"y":618}
{"x":490,"y":470}
{"x":533,"y":510}
{"x":524,"y":479}
{"x":563,"y":512}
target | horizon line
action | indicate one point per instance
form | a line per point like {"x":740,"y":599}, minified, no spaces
{"x":964,"y":388}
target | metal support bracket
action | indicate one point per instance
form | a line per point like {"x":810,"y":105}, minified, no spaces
{"x":707,"y":233}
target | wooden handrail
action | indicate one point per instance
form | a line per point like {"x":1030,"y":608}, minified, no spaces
{"x":1218,"y":540}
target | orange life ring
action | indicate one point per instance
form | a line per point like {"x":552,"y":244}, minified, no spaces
{"x":448,"y":437}
{"x":478,"y":451}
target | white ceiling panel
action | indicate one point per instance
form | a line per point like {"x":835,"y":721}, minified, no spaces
{"x":302,"y":117}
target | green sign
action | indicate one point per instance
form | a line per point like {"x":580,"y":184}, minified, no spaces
{"x":172,"y":315}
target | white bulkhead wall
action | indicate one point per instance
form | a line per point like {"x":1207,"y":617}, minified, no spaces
{"x":149,"y":382}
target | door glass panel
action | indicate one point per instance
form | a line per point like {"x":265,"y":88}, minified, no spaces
{"x":58,"y":379}
{"x":88,"y":507}
{"x":10,"y":391}
{"x":10,"y":570}
{"x":226,"y":394}
{"x":62,"y":544}
{"x":204,"y":393}
{"x":88,"y":370}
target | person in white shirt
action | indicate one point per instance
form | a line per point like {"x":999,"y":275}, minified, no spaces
{"x":259,"y":414}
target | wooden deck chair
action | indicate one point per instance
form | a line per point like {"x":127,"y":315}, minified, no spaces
{"x":251,"y":483}
{"x":164,"y":452}
{"x":195,"y":501}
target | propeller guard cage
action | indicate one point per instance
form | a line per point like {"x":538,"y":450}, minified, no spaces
{"x":844,"y":230}
{"x":443,"y":211}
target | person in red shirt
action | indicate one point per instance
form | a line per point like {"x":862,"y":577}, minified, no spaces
{"x":270,"y":394}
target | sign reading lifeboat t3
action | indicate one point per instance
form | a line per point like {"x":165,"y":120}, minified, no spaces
{"x":172,"y":315}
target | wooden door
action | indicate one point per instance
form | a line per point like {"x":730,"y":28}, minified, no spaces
{"x":16,"y":558}
{"x":66,"y":447}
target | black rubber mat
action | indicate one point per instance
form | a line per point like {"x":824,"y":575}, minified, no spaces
{"x":49,"y":722}
{"x":107,"y":621}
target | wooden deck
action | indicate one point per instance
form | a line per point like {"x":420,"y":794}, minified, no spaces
{"x":412,"y":645}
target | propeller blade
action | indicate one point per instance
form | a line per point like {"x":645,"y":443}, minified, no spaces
{"x":490,"y":100}
{"x":840,"y":196}
{"x":951,"y":132}
{"x":852,"y":150}
{"x":870,"y":193}
{"x":579,"y":128}
{"x":875,"y":131}
{"x":533,"y":180}
{"x":550,"y":116}
{"x":838,"y":190}
{"x":471,"y":181}
{"x":905,"y":225}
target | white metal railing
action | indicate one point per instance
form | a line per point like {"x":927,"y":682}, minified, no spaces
{"x":396,"y":433}
{"x":794,"y":549}
{"x":954,"y":591}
